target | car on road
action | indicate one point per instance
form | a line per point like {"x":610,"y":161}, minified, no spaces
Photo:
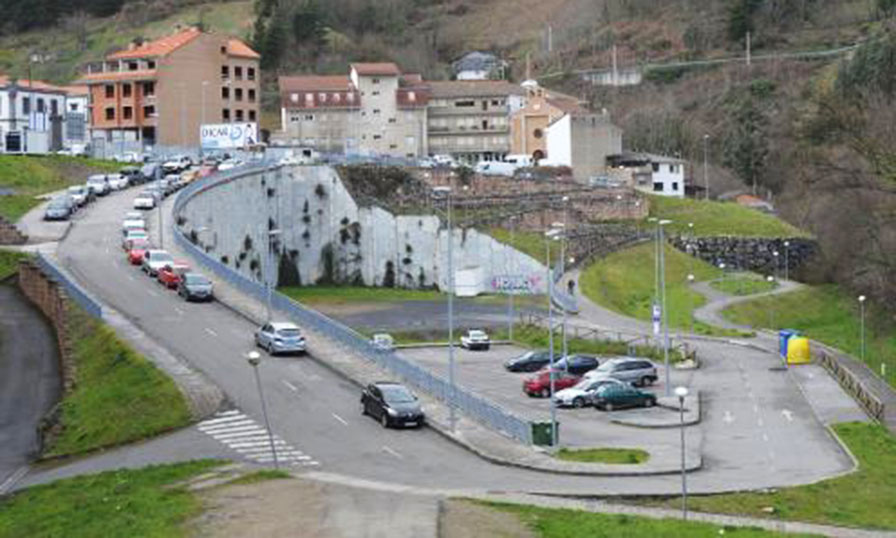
{"x":117,"y":181}
{"x":638,"y":372}
{"x":59,"y":208}
{"x":613,"y":396}
{"x":540,"y":383}
{"x":133,"y":234}
{"x":475,"y":339}
{"x":383,"y":342}
{"x":136,"y":249}
{"x":133,"y":215}
{"x":280,"y":337}
{"x":98,"y":185}
{"x":171,"y":275}
{"x":154,"y":260}
{"x":80,"y":195}
{"x":134,"y":175}
{"x":577,"y":364}
{"x":194,"y":286}
{"x":132,"y":224}
{"x":582,"y":393}
{"x":392,"y":404}
{"x":530,"y":361}
{"x":177,"y":164}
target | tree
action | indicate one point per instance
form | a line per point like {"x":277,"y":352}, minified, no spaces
{"x":746,"y":146}
{"x":740,"y":18}
{"x":308,"y":25}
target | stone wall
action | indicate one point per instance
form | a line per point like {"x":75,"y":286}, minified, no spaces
{"x":50,"y":298}
{"x":9,"y":234}
{"x":749,"y":253}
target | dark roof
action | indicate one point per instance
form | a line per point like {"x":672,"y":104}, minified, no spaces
{"x":641,"y":158}
{"x":474,"y":88}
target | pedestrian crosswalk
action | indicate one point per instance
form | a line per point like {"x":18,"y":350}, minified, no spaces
{"x":251,"y":440}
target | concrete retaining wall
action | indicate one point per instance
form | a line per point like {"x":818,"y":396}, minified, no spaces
{"x":749,"y":253}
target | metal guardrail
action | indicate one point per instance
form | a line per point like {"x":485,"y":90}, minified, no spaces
{"x":468,"y":403}
{"x":71,"y":288}
{"x":848,"y":380}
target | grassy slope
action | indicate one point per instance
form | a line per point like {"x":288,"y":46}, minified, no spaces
{"x":865,"y":498}
{"x":114,"y":503}
{"x":31,"y":176}
{"x":530,"y":243}
{"x":743,"y":284}
{"x":604,"y":455}
{"x":828,"y":315}
{"x":624,"y":283}
{"x":719,"y":218}
{"x":119,"y":396}
{"x":9,"y":262}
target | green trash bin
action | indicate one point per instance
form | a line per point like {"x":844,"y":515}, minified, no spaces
{"x":541,"y":433}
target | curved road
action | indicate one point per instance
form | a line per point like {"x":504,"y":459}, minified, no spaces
{"x":317,"y":411}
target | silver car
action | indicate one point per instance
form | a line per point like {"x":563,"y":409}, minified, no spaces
{"x":58,"y":209}
{"x":154,"y":260}
{"x":638,"y":372}
{"x":280,"y":337}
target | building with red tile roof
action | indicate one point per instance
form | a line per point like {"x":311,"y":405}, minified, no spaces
{"x":38,"y":117}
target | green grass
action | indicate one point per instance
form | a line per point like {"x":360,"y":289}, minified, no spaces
{"x":829,"y":315}
{"x":566,"y":523}
{"x":865,"y":498}
{"x":743,"y":284}
{"x":342,"y":295}
{"x":9,"y":262}
{"x":531,"y":243}
{"x":30,"y":176}
{"x":712,"y":218}
{"x":119,"y":396}
{"x":624,"y":282}
{"x":114,"y":503}
{"x":603,"y":455}
{"x":260,"y":476}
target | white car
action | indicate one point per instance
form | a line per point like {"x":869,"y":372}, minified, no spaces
{"x":79,"y":194}
{"x":383,"y":342}
{"x":132,"y":224}
{"x":133,"y":215}
{"x":177,"y":164}
{"x":98,"y":185}
{"x":117,"y":181}
{"x":583,"y":392}
{"x":475,"y":339}
{"x":154,"y":260}
{"x":133,"y":234}
{"x":144,"y":201}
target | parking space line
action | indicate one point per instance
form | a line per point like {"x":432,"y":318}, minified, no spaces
{"x":211,"y":332}
{"x":291,"y":386}
{"x":393,"y":452}
{"x":340,"y":419}
{"x":765,"y":437}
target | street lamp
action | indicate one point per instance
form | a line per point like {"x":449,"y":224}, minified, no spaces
{"x":655,"y":310}
{"x":254,"y":359}
{"x":446,"y":191}
{"x":705,"y":171}
{"x":550,"y":235}
{"x":691,"y":279}
{"x":776,"y":254}
{"x":771,"y":304}
{"x":202,"y":120}
{"x":862,"y":317}
{"x":267,"y":272}
{"x":663,"y":313}
{"x":682,"y":392}
{"x":786,"y":260}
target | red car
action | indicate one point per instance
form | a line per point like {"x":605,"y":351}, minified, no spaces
{"x":540,"y":383}
{"x":171,"y":275}
{"x":136,"y":249}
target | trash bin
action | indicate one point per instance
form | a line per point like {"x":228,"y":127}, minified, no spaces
{"x":798,"y":350}
{"x":541,"y":433}
{"x":784,"y":336}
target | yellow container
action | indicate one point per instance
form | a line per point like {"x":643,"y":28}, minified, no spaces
{"x":798,"y":350}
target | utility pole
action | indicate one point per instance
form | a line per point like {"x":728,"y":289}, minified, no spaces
{"x":663,"y":312}
{"x":705,"y":170}
{"x":748,"y":51}
{"x":511,"y":291}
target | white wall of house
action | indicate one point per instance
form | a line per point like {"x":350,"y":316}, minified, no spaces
{"x":13,"y":115}
{"x":668,"y":179}
{"x":559,"y":142}
{"x":472,"y":74}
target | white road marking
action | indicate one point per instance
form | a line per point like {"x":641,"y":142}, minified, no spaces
{"x":214,"y":428}
{"x":251,"y":441}
{"x":765,"y":437}
{"x":788,"y":414}
{"x":17,"y":475}
{"x":728,"y":418}
{"x":179,"y":311}
{"x":340,"y":419}
{"x":211,"y":332}
{"x":394,"y":453}
{"x":291,"y":386}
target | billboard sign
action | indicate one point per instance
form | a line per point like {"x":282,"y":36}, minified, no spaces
{"x":516,"y":284}
{"x":228,"y":135}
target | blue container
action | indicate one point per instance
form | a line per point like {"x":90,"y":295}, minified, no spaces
{"x":783,"y":337}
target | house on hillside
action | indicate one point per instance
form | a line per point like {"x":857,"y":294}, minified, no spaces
{"x":37,"y":117}
{"x":479,"y":66}
{"x":654,"y":174}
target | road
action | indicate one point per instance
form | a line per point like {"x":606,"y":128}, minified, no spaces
{"x":316,"y":413}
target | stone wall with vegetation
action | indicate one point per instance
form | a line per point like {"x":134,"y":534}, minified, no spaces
{"x":9,"y":234}
{"x":750,"y":253}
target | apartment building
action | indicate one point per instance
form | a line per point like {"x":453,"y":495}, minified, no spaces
{"x":374,"y":110}
{"x":469,"y":119}
{"x":161,"y":91}
{"x":37,"y":117}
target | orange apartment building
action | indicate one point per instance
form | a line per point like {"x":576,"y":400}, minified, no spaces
{"x":160,"y":92}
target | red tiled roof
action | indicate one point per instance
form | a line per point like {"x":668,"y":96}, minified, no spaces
{"x":377,"y":68}
{"x":412,"y":97}
{"x":236,"y":47}
{"x":38,"y":85}
{"x":113,"y":76}
{"x":473,"y":88}
{"x":412,"y":79}
{"x":314,"y":83}
{"x":159,"y":47}
{"x":76,"y":90}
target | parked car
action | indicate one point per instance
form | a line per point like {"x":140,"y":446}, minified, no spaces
{"x":171,"y":275}
{"x":280,"y":337}
{"x":136,"y":249}
{"x":59,"y":208}
{"x":117,"y":182}
{"x":145,"y":200}
{"x":149,"y":171}
{"x":540,"y":384}
{"x":177,"y":164}
{"x":582,"y":393}
{"x":132,"y":224}
{"x":133,"y":215}
{"x":577,"y":364}
{"x":638,"y":372}
{"x":154,"y":260}
{"x":134,"y":175}
{"x":475,"y":339}
{"x":531,"y":361}
{"x":80,"y":194}
{"x":392,"y":404}
{"x":195,"y":286}
{"x":613,"y":396}
{"x":131,"y":235}
{"x":98,"y":185}
{"x":383,"y":342}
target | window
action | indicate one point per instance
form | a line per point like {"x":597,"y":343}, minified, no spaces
{"x":72,"y":107}
{"x":537,"y":133}
{"x":239,"y":115}
{"x":149,"y":111}
{"x":657,"y":186}
{"x":54,"y":107}
{"x":335,"y":97}
{"x":251,"y":115}
{"x":238,"y":94}
{"x":376,"y":111}
{"x":391,"y":120}
{"x":309,"y":99}
{"x":376,"y":137}
{"x":322,"y":97}
{"x":674,"y":186}
{"x":484,"y":125}
{"x":309,"y":117}
{"x":110,"y":91}
{"x":225,"y":92}
{"x":40,"y":105}
{"x":127,"y":113}
{"x":133,"y":66}
{"x":294,"y":98}
{"x":463,"y":104}
{"x":484,"y":104}
{"x":223,"y":49}
{"x":251,"y":95}
{"x":225,"y":114}
{"x":412,"y":97}
{"x":376,"y":81}
{"x":125,"y":90}
{"x":238,"y":73}
{"x":26,"y":105}
{"x":225,"y":72}
{"x":150,"y":64}
{"x":350,"y":97}
{"x":375,"y":92}
{"x":149,"y":88}
{"x":393,"y":146}
{"x":495,"y":102}
{"x":656,"y":167}
{"x":250,"y":73}
{"x":110,"y":113}
{"x":672,"y":168}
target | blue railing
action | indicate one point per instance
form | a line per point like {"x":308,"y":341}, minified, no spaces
{"x":71,"y":288}
{"x":468,"y":403}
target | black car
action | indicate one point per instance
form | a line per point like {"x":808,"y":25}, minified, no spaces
{"x":392,"y":404}
{"x":531,"y":361}
{"x":194,"y":286}
{"x":134,"y":175}
{"x":577,"y":364}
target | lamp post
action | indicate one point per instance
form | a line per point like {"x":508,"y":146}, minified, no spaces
{"x":705,"y":170}
{"x":549,"y":236}
{"x":655,"y":313}
{"x":771,"y":304}
{"x":511,"y":291}
{"x":267,"y":272}
{"x":691,"y":301}
{"x":663,"y":312}
{"x":722,"y":267}
{"x":563,"y":241}
{"x":452,"y":417}
{"x":682,"y":392}
{"x":254,"y":359}
{"x":862,"y":323}
{"x":776,"y":255}
{"x":202,"y":120}
{"x":786,"y":260}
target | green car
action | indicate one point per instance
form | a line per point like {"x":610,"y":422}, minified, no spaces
{"x":616,"y":396}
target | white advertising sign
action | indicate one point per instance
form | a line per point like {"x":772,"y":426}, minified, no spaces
{"x":228,"y":135}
